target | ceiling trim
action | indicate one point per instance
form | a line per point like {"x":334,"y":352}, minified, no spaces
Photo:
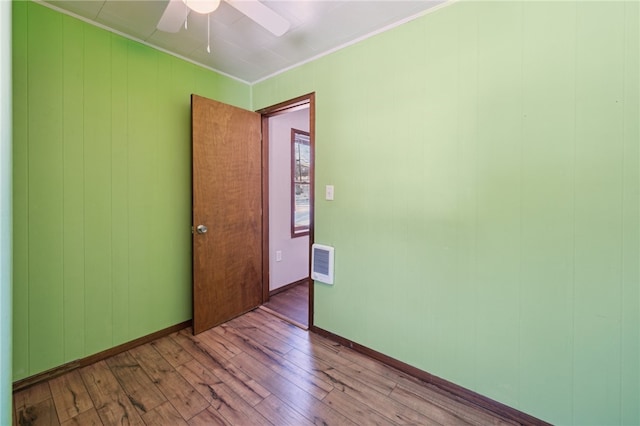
{"x":359,"y":39}
{"x":127,"y":36}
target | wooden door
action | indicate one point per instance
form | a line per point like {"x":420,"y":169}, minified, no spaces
{"x":227,"y":200}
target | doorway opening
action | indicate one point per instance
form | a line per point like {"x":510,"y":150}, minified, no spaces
{"x":288,"y":131}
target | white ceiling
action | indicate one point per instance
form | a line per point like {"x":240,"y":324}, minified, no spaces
{"x":241,"y":48}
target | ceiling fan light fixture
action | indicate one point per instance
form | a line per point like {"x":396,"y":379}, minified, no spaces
{"x":202,"y":6}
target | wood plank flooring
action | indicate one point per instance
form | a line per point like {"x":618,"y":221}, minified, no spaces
{"x":292,"y":303}
{"x":254,"y":370}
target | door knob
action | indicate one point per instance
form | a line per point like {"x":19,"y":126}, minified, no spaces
{"x":201,"y":229}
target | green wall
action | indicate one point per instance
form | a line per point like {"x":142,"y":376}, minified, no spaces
{"x":5,"y":213}
{"x":102,"y":193}
{"x":486,"y":222}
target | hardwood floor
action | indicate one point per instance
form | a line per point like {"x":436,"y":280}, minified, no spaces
{"x":292,"y":304}
{"x":254,"y":370}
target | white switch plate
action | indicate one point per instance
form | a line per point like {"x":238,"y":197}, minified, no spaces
{"x":279,"y":256}
{"x":328,"y":192}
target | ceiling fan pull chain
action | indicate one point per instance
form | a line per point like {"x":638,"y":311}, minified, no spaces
{"x":209,"y":33}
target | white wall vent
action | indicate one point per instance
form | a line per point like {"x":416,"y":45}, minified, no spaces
{"x":322,"y":263}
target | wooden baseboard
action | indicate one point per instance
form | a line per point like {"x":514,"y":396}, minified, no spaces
{"x":83,"y":362}
{"x":469,"y":396}
{"x":287,"y":287}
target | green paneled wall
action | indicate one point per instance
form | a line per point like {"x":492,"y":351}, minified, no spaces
{"x":486,"y":220}
{"x":486,"y":214}
{"x":102,"y":192}
{"x":5,"y":214}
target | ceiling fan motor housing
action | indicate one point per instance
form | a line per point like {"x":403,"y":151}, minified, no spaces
{"x":202,"y":6}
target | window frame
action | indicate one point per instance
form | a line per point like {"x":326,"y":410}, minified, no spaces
{"x":299,"y":231}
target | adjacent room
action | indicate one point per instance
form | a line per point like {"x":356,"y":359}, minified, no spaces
{"x":474,"y":164}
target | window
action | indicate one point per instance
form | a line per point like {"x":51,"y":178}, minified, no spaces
{"x":300,"y":183}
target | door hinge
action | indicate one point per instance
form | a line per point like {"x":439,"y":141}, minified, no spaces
{"x":192,"y":229}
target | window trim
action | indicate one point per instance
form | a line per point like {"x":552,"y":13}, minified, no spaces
{"x":299,"y":231}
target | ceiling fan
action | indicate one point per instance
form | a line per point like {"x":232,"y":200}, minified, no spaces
{"x":177,"y":10}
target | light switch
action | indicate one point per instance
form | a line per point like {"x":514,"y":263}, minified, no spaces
{"x":328,"y":192}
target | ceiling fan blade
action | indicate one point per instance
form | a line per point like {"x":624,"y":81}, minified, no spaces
{"x":262,"y":15}
{"x":173,"y":16}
